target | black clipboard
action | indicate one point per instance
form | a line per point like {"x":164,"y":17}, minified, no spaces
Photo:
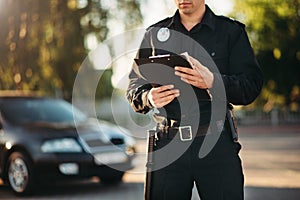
{"x":168,"y":60}
{"x":159,"y":70}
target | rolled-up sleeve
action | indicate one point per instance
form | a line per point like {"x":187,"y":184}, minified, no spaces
{"x":138,"y":88}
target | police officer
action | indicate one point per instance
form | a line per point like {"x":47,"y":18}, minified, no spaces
{"x":219,"y":175}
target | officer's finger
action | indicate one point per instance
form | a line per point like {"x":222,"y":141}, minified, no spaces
{"x":184,"y":70}
{"x":194,"y":75}
{"x":162,"y":91}
{"x":155,"y":92}
{"x":167,"y":93}
{"x":164,"y":88}
{"x":193,"y":61}
{"x":197,"y":83}
{"x":165,"y":100}
{"x":196,"y":64}
{"x":159,"y":102}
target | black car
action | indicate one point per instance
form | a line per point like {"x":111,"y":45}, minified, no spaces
{"x":41,"y":141}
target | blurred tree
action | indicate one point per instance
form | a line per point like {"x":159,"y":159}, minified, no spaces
{"x":274,"y":30}
{"x":43,"y":42}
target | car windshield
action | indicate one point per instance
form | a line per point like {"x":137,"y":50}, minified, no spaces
{"x":35,"y":110}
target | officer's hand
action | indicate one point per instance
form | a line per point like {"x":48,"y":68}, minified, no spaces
{"x":199,"y":76}
{"x":163,"y":95}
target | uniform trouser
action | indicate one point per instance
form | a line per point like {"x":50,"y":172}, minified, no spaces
{"x":218,"y":176}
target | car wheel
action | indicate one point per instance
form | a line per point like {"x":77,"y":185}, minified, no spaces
{"x":114,"y":177}
{"x":20,"y":174}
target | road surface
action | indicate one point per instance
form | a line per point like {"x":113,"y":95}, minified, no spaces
{"x":270,"y":156}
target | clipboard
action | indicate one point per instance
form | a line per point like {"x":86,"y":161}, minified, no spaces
{"x":167,"y":60}
{"x":159,"y":70}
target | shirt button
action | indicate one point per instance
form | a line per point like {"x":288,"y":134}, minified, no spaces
{"x":213,"y":54}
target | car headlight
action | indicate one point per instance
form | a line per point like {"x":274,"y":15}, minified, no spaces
{"x":130,"y":150}
{"x":62,"y":145}
{"x":130,"y":146}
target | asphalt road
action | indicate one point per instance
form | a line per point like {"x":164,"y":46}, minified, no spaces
{"x":270,"y":156}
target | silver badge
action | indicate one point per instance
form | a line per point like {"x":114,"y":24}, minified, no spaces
{"x":163,"y":34}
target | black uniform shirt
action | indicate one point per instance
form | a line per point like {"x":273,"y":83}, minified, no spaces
{"x":224,"y":39}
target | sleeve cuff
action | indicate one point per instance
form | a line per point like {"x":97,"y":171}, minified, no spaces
{"x":218,"y":91}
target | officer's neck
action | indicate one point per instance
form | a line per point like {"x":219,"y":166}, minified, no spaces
{"x":189,"y":20}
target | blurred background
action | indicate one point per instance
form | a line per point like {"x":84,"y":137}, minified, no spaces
{"x":44,"y":42}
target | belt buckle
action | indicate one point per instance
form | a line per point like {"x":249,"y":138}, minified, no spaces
{"x":185,"y":133}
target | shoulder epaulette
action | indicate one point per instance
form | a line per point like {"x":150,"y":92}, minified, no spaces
{"x":232,"y":20}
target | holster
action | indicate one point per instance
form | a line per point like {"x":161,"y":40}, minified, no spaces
{"x":232,"y":123}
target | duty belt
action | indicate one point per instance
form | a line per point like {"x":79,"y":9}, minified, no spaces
{"x":183,"y":133}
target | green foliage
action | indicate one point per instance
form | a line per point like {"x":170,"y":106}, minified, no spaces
{"x":38,"y":44}
{"x":274,"y":31}
{"x":43,"y":42}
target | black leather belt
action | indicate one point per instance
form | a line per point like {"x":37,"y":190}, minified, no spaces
{"x":183,"y":133}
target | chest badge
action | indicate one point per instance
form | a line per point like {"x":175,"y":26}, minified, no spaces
{"x":163,"y":34}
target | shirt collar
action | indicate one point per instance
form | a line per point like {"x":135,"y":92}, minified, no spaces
{"x":208,"y":19}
